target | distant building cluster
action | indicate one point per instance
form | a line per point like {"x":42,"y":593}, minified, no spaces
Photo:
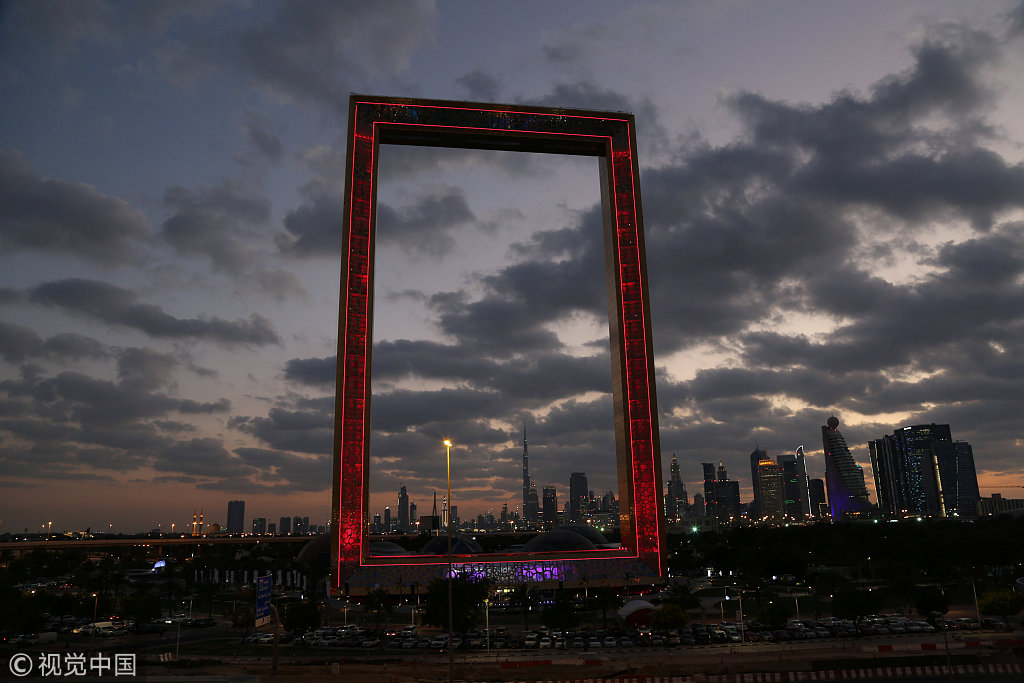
{"x":293,"y":526}
{"x":536,"y":512}
{"x":919,"y":471}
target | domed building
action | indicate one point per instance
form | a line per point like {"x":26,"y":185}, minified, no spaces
{"x":461,"y":545}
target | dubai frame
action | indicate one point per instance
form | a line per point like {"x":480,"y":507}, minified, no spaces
{"x":609,"y":136}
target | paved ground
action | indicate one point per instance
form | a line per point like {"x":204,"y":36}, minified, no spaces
{"x":751,"y":663}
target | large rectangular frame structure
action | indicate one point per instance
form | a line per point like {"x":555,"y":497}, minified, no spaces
{"x":612,"y":138}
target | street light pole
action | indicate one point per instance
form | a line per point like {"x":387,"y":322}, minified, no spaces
{"x":95,"y":608}
{"x":742,"y":634}
{"x":448,"y":507}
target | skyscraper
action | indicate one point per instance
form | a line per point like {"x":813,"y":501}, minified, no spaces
{"x":259,"y":526}
{"x":531,"y":511}
{"x":816,"y":494}
{"x":769,"y":486}
{"x":795,"y":498}
{"x":886,"y":475}
{"x":920,"y":471}
{"x":710,"y":502}
{"x":526,"y":472}
{"x":721,"y":494}
{"x":236,"y":516}
{"x":756,"y":456}
{"x":847,"y":494}
{"x":677,"y":500}
{"x":550,"y":506}
{"x":578,"y":496}
{"x":403,"y":510}
{"x":284,"y":526}
{"x":958,"y":479}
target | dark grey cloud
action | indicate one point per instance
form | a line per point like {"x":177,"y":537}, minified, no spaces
{"x":314,"y":229}
{"x":145,"y":368}
{"x":201,"y":458}
{"x":18,"y":343}
{"x":215,"y":223}
{"x":1015,"y":24}
{"x":262,"y":139}
{"x":479,"y":85}
{"x":57,"y":29}
{"x":46,"y":215}
{"x":302,"y":431}
{"x":87,"y":400}
{"x":319,"y":52}
{"x":424,"y":228}
{"x":314,"y":372}
{"x":119,"y":306}
{"x":288,"y":471}
{"x":519,"y":302}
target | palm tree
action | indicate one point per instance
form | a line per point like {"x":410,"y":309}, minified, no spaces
{"x":378,"y":601}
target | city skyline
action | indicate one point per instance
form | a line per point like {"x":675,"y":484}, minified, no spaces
{"x":833,"y":227}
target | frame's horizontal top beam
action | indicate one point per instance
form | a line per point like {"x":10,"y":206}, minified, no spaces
{"x":514,"y":141}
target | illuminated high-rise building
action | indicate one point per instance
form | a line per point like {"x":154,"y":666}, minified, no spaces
{"x":958,"y":479}
{"x":920,"y":471}
{"x":677,"y":501}
{"x":769,"y":486}
{"x":259,"y":526}
{"x":796,"y":497}
{"x":847,"y":494}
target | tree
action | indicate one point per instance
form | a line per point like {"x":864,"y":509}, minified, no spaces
{"x":604,"y":599}
{"x":775,"y":612}
{"x":522,"y":595}
{"x":1001,"y":603}
{"x":561,"y":615}
{"x":681,"y":595}
{"x":467,"y":603}
{"x":141,"y":606}
{"x":930,"y":601}
{"x":849,"y":602}
{"x":669,"y":616}
{"x":378,"y":602}
{"x":301,"y":616}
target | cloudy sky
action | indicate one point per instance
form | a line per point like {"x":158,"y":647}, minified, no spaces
{"x":833,"y":196}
